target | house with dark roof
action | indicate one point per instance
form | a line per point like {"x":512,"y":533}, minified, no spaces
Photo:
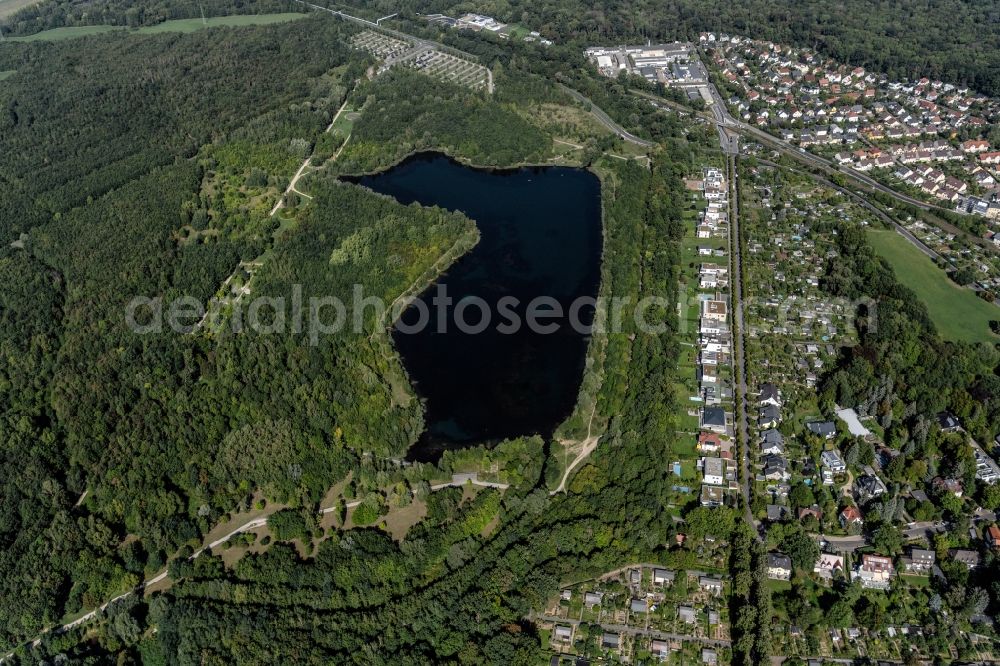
{"x":948,"y":422}
{"x":869,"y":487}
{"x":833,"y":462}
{"x":768,"y":416}
{"x":776,"y":512}
{"x":779,"y":566}
{"x":969,"y":558}
{"x":769,"y":395}
{"x":919,"y":561}
{"x":610,"y":641}
{"x":775,"y":468}
{"x":663,"y":576}
{"x":772,"y":441}
{"x":714,"y":419}
{"x":824,"y":429}
{"x":710,"y":583}
{"x":639,"y":606}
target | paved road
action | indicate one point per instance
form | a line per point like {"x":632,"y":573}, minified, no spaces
{"x":639,"y":631}
{"x":849,"y":544}
{"x":606,"y":120}
{"x":805,"y":157}
{"x":739,"y":342}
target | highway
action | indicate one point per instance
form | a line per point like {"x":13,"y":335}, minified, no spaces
{"x":606,"y":120}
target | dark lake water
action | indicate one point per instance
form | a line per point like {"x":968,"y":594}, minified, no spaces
{"x":540,"y":236}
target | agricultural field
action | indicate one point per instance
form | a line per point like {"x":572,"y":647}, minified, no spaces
{"x":957,"y":312}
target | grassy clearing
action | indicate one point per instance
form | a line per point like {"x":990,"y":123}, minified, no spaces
{"x":10,"y":7}
{"x":179,"y":25}
{"x":58,"y":34}
{"x":957,"y":312}
{"x":191,"y":25}
{"x":6,"y":74}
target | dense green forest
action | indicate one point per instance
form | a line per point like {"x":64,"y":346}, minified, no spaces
{"x":161,"y":193}
{"x":101,"y":176}
{"x":66,"y":13}
{"x":954,"y":40}
{"x":408,"y":112}
{"x":454,"y":589}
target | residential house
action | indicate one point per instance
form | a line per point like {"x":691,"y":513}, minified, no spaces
{"x":687,"y":614}
{"x":953,"y":486}
{"x":869,"y":487}
{"x":711,"y":584}
{"x":779,"y":566}
{"x":591,"y":599}
{"x":563,"y":633}
{"x":833,"y":462}
{"x":768,"y":416}
{"x":969,"y":558}
{"x":850,"y":516}
{"x":714,"y":471}
{"x":714,"y":419}
{"x":659,"y":648}
{"x":772,"y":441}
{"x":639,"y":606}
{"x":948,"y":422}
{"x":663,"y":577}
{"x":828,"y":565}
{"x":709,"y":656}
{"x":709,"y":442}
{"x":769,"y":395}
{"x":824,"y":429}
{"x":712,"y":495}
{"x":813,"y":511}
{"x":875,"y":572}
{"x":993,"y":536}
{"x":776,"y":512}
{"x":775,"y":468}
{"x":611,"y":641}
{"x":919,"y":561}
{"x":715,"y":310}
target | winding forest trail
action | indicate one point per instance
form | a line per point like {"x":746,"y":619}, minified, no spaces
{"x":589,"y":444}
{"x":457,"y":480}
{"x":305,"y":165}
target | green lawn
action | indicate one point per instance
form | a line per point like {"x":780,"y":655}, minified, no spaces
{"x":57,"y":34}
{"x":190,"y":25}
{"x":8,"y":7}
{"x":957,"y":312}
{"x":179,"y":25}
